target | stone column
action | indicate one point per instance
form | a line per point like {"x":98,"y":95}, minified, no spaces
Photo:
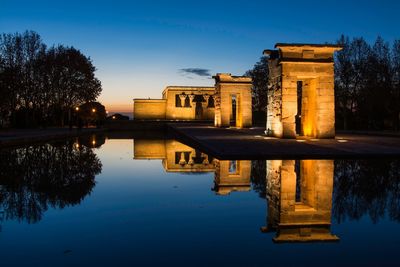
{"x":191,"y":97}
{"x":182,"y":97}
{"x":205,"y":104}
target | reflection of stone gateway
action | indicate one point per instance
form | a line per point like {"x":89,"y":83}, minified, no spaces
{"x":300,"y":201}
{"x":232,"y":175}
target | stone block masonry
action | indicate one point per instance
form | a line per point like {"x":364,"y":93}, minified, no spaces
{"x":301,"y":98}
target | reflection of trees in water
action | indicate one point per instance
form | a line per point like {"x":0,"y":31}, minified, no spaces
{"x":258,"y":172}
{"x":34,"y":178}
{"x":366,"y":187}
{"x":92,"y":141}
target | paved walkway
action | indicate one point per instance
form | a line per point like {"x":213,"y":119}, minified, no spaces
{"x":253,"y":144}
{"x":16,"y":137}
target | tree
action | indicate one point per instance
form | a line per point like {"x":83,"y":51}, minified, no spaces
{"x":376,"y":98}
{"x":92,"y":113}
{"x":396,"y":84}
{"x":40,"y":86}
{"x":351,"y":65}
{"x":72,"y":78}
{"x":259,"y":75}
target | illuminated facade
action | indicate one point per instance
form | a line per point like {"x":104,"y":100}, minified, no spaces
{"x":228,"y":103}
{"x":301,"y":98}
{"x":299,"y":195}
{"x":177,"y":103}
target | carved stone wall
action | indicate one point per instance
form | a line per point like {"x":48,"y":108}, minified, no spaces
{"x":177,"y":103}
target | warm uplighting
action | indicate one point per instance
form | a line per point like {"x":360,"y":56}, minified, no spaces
{"x":77,"y":108}
{"x":93,"y":110}
{"x":342,"y":141}
{"x":300,"y":140}
{"x":76,"y":145}
{"x":94,"y":142}
{"x":113,"y":117}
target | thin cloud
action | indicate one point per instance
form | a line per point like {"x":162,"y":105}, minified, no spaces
{"x":196,"y":71}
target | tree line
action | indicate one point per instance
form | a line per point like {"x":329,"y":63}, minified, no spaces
{"x":40,"y":85}
{"x":367,"y":85}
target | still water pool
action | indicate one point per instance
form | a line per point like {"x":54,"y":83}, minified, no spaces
{"x":96,"y":201}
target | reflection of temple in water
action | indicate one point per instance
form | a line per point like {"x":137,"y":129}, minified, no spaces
{"x":299,"y":197}
{"x":230,"y":175}
{"x":299,"y":192}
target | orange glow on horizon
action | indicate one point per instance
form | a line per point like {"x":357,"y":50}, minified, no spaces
{"x":113,"y":108}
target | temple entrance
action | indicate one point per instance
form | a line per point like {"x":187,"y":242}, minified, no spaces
{"x":308,"y":108}
{"x":198,"y":111}
{"x":299,"y":104}
{"x":233,"y":111}
{"x":305,"y":118}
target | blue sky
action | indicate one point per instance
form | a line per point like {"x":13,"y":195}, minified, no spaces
{"x":139,"y":47}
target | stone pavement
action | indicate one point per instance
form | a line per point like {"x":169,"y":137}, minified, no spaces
{"x":16,"y":137}
{"x":230,"y":143}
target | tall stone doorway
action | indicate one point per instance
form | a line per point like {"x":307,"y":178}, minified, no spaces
{"x":198,"y":110}
{"x":305,"y":118}
{"x":233,"y":103}
{"x":234,"y":115}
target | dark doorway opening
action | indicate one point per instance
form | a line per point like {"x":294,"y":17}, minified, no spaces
{"x":298,"y":180}
{"x":198,"y":111}
{"x":233,"y":114}
{"x":299,"y":107}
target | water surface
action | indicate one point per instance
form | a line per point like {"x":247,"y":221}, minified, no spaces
{"x":124,"y":202}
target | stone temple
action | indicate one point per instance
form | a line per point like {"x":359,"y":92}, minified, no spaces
{"x":301,"y":99}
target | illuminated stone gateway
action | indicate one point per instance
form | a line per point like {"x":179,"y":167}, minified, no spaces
{"x":232,"y":101}
{"x":301,"y":97}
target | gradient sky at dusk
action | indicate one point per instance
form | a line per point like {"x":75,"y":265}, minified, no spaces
{"x":139,"y":47}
